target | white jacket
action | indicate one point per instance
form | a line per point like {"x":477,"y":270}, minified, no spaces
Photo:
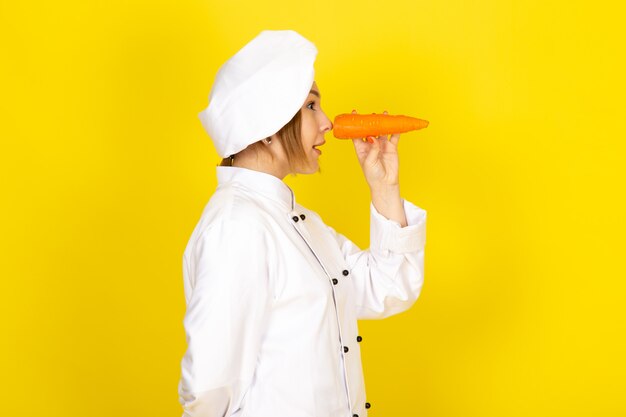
{"x":273,"y":296}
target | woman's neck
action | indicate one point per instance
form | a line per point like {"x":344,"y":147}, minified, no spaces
{"x":259,"y":162}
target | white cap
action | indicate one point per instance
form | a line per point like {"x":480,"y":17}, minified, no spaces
{"x":259,"y":90}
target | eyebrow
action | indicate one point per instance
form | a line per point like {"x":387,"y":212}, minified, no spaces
{"x":317,"y":93}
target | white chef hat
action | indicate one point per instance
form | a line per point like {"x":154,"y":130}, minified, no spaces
{"x":259,"y":90}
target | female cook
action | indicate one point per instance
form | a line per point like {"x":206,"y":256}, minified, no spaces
{"x":273,"y":294}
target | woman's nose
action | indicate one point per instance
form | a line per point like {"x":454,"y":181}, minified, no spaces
{"x":327,"y":125}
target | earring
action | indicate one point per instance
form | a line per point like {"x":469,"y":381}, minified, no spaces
{"x":268,"y":140}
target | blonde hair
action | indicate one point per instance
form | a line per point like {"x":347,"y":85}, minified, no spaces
{"x":290,"y":137}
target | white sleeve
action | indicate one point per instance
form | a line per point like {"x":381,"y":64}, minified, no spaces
{"x":225,"y":318}
{"x":387,"y":277}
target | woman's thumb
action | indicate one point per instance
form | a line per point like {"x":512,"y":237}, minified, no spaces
{"x":372,"y":155}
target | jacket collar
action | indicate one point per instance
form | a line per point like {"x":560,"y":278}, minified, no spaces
{"x":267,"y":185}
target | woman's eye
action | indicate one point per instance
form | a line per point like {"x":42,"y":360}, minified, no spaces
{"x":310,"y":105}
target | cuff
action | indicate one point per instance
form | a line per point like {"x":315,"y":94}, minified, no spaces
{"x":388,"y":236}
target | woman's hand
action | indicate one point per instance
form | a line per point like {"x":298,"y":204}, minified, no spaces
{"x":378,"y":158}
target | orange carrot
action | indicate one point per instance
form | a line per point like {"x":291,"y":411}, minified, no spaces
{"x":350,"y":126}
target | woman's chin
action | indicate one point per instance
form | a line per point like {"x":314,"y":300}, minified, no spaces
{"x":312,"y":168}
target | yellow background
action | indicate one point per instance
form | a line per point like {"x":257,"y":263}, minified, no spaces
{"x":105,"y":169}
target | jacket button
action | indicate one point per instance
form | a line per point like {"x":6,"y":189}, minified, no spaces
{"x":335,"y":281}
{"x":345,"y":272}
{"x":359,"y":338}
{"x":345,"y":349}
{"x":368,"y":405}
{"x":295,"y":219}
{"x":302,"y":216}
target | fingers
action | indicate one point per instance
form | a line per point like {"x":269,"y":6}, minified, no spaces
{"x":394,"y":139}
{"x":359,"y":144}
{"x":372,"y":156}
{"x":361,"y":148}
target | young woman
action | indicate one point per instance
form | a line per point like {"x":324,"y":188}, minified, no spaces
{"x":273,"y":294}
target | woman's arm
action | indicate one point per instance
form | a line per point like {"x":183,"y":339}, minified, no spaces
{"x":388,"y":203}
{"x":387,"y":277}
{"x":379,"y":161}
{"x":225,"y":319}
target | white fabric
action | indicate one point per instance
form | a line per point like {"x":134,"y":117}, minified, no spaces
{"x":265,"y":325}
{"x":259,"y":90}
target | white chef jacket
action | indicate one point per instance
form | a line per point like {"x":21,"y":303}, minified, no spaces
{"x":273,"y":296}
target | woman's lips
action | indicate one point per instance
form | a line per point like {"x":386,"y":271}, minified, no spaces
{"x":317,"y":150}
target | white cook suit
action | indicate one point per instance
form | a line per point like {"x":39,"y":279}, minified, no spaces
{"x":273,"y":296}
